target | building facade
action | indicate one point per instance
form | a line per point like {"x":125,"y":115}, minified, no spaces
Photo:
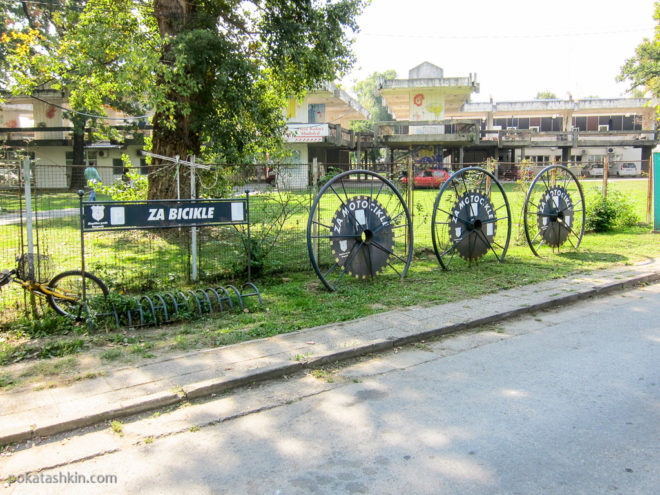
{"x":436,"y":122}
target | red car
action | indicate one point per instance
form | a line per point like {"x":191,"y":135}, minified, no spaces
{"x":430,"y":177}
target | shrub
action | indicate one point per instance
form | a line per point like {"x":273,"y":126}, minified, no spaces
{"x":609,"y":213}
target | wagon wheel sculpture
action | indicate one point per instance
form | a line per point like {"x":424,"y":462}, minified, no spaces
{"x":359,"y":227}
{"x":471,"y":218}
{"x":554,"y":211}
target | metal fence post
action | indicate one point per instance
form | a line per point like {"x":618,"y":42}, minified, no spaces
{"x":654,"y":172}
{"x":409,"y":191}
{"x":649,"y":192}
{"x":249,"y":240}
{"x":28,"y":220}
{"x":193,"y":230}
{"x":315,"y":188}
{"x":81,"y":193}
{"x":605,"y":170}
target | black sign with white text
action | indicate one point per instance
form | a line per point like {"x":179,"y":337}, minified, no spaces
{"x":118,"y":215}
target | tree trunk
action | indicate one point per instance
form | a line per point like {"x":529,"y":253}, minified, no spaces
{"x":78,"y":168}
{"x":172,"y":17}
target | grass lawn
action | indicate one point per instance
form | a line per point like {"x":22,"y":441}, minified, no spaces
{"x":293,"y":299}
{"x":292,"y":302}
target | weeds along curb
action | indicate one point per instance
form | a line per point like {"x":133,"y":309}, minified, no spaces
{"x":210,"y":387}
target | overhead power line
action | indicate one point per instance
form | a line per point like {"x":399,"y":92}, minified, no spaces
{"x":90,"y":115}
{"x":490,"y":36}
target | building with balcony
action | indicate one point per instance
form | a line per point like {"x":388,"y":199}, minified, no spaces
{"x":437,"y":123}
{"x":317,"y":129}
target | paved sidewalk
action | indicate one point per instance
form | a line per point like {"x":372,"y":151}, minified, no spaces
{"x":168,"y":381}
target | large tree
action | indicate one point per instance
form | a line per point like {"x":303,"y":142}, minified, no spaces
{"x":228,"y":66}
{"x":82,"y":48}
{"x":367,"y":95}
{"x":643,"y":69}
{"x":216,"y":72}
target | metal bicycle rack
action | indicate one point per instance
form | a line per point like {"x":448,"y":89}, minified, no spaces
{"x":163,"y":307}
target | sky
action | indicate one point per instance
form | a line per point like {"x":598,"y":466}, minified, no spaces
{"x":517,"y":48}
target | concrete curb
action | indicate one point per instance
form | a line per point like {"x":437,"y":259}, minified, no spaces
{"x":213,"y":386}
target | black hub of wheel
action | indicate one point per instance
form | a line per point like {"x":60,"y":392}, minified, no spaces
{"x":362,"y":224}
{"x":555,"y":216}
{"x":471,"y":225}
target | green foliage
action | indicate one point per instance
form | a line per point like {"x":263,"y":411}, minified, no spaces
{"x":132,"y":187}
{"x":368,"y":97}
{"x":61,"y":348}
{"x":643,"y":69}
{"x":7,"y":381}
{"x":545,"y":95}
{"x":216,"y":78}
{"x":329,"y":173}
{"x":605,"y":214}
{"x":112,"y":354}
{"x":49,"y":324}
{"x":101,"y":52}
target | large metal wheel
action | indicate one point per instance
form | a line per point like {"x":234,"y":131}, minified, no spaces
{"x":471,"y":218}
{"x":554,"y":211}
{"x":359,"y":227}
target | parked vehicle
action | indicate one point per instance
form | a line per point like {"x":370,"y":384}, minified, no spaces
{"x":430,"y":178}
{"x":627,"y":170}
{"x":592,"y":170}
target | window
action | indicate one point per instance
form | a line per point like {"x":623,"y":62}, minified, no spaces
{"x":316,"y":113}
{"x":117,"y":166}
{"x":580,"y":123}
{"x":546,"y":124}
{"x":90,"y":158}
{"x":616,"y":122}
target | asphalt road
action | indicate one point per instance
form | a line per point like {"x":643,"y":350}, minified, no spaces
{"x":562,"y":402}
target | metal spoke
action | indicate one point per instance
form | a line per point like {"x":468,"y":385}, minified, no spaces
{"x":382,"y":184}
{"x":489,"y":244}
{"x":356,"y":224}
{"x":331,"y":269}
{"x":322,"y":224}
{"x":346,"y":236}
{"x":349,"y":261}
{"x":457,"y":243}
{"x":393,"y":268}
{"x":385,"y":250}
{"x":494,"y":220}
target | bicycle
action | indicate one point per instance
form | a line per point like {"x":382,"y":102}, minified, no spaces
{"x":64,"y":292}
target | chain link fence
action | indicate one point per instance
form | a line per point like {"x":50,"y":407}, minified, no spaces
{"x":280,"y":198}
